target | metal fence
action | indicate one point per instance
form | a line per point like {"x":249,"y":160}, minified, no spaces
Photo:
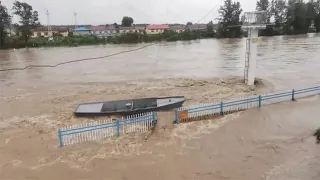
{"x":207,"y":111}
{"x":107,"y":128}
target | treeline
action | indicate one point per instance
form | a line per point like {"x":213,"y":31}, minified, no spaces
{"x":168,"y":35}
{"x":284,"y":17}
{"x":28,"y":20}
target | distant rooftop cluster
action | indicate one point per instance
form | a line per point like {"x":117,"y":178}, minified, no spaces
{"x":114,"y":29}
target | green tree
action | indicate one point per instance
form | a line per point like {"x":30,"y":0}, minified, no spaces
{"x":28,"y":19}
{"x":229,"y":21}
{"x":127,"y":21}
{"x":279,"y":12}
{"x":210,"y":30}
{"x":115,"y":25}
{"x":317,"y":16}
{"x":296,"y":17}
{"x":311,"y":14}
{"x":5,"y":21}
{"x":189,"y":23}
{"x":264,"y":5}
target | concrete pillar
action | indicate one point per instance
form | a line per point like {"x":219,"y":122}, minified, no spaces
{"x":253,"y":56}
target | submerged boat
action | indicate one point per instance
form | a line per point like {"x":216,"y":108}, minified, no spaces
{"x":130,"y":106}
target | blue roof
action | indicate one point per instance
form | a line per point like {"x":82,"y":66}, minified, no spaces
{"x":81,"y":29}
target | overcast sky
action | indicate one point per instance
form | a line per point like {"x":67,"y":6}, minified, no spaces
{"x":142,"y":11}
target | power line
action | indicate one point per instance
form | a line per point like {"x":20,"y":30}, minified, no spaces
{"x":101,"y":57}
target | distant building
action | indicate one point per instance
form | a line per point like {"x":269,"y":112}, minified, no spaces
{"x":178,"y":29}
{"x":81,"y":31}
{"x":132,"y":29}
{"x":103,"y":31}
{"x":197,"y":27}
{"x":43,"y":32}
{"x":156,"y":29}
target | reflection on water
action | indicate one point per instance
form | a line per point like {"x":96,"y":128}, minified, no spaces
{"x":288,"y":61}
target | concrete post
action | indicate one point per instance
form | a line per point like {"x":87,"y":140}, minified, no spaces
{"x":253,"y":56}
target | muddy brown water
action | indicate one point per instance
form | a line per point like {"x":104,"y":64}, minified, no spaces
{"x":274,"y":142}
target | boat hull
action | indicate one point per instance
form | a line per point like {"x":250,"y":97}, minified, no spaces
{"x":129,"y":107}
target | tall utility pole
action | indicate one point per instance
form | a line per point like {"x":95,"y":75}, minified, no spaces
{"x":75,"y":19}
{"x":252,"y":23}
{"x":48,"y":22}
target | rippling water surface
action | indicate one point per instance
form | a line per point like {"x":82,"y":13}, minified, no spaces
{"x":270,"y":143}
{"x":288,"y":61}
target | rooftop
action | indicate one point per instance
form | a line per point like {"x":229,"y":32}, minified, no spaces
{"x":81,"y":29}
{"x":42,"y":29}
{"x":132,"y":28}
{"x":162,"y":26}
{"x":102,"y":28}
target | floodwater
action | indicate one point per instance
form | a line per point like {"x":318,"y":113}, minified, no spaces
{"x":288,"y":61}
{"x":271,"y":143}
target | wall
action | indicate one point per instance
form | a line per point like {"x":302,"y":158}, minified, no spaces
{"x":48,"y":34}
{"x":81,"y":33}
{"x":122,"y":31}
{"x":154,"y":31}
{"x":104,"y":33}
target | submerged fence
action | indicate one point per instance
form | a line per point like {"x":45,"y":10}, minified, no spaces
{"x":107,"y":128}
{"x":206,"y":111}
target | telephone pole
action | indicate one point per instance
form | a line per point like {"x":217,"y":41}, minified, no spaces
{"x":48,"y":22}
{"x":75,"y":19}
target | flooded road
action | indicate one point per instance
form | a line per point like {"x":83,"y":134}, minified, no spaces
{"x":271,"y":143}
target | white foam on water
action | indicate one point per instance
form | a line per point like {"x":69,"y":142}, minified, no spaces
{"x":184,"y":132}
{"x":194,"y":130}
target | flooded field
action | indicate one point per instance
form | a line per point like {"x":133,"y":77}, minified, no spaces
{"x":274,"y":142}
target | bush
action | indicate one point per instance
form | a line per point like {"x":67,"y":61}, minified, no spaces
{"x":74,"y":41}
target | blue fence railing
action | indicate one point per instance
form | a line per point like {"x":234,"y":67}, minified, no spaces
{"x":185,"y":114}
{"x":107,"y":128}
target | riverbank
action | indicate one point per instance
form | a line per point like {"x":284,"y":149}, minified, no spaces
{"x":130,"y":38}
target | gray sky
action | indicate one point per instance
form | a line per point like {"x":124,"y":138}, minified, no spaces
{"x":142,"y":11}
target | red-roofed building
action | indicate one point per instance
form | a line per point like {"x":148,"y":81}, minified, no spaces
{"x":104,"y":31}
{"x":156,"y":29}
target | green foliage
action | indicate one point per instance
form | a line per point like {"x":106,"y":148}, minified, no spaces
{"x":264,"y":5}
{"x":28,"y":18}
{"x":5,"y":21}
{"x":127,"y":21}
{"x":74,"y":41}
{"x":278,"y":11}
{"x":230,"y":16}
